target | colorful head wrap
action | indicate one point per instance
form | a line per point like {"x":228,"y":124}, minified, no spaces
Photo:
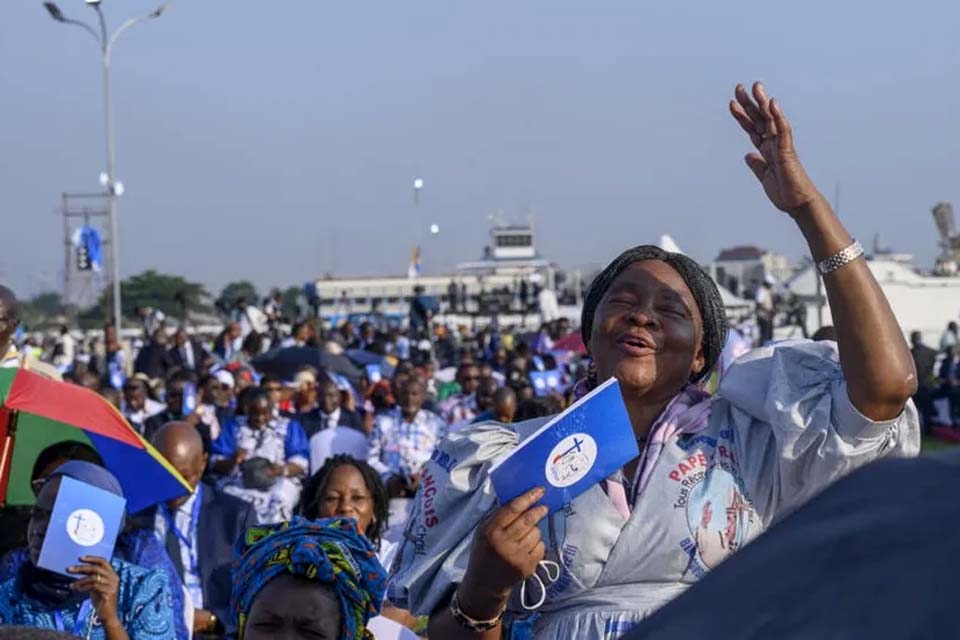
{"x":329,"y":551}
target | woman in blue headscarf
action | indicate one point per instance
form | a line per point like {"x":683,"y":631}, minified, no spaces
{"x":109,"y":599}
{"x":136,"y":543}
{"x":311,"y":579}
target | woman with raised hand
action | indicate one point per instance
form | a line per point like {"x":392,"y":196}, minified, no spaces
{"x":713,"y":472}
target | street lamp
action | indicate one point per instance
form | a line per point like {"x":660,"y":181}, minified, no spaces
{"x":113,"y":186}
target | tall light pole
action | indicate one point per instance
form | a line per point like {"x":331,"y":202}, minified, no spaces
{"x":114,"y":187}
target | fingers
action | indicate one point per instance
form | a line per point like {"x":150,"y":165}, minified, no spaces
{"x":520,"y":528}
{"x":757,"y":164}
{"x":85,"y":585}
{"x":763,"y":102}
{"x":740,"y":115}
{"x":530,"y":540}
{"x":96,"y":560}
{"x":539,"y":551}
{"x":743,"y":98}
{"x":786,"y":133}
{"x":87,"y":569}
{"x":516,"y":507}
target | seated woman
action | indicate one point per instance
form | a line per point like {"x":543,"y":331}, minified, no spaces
{"x":304,"y":579}
{"x":263,"y":458}
{"x":109,"y":599}
{"x":135,"y":544}
{"x":350,"y":488}
{"x":713,"y":472}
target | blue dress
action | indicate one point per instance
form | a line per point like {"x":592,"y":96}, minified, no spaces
{"x":136,"y":546}
{"x":144,"y":607}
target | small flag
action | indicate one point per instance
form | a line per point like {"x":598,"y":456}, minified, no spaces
{"x":415,"y":268}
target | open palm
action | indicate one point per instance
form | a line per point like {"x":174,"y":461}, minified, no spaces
{"x":776,"y":166}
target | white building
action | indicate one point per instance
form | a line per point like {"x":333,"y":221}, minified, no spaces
{"x":920,"y":302}
{"x":740,"y":268}
{"x":512,"y":257}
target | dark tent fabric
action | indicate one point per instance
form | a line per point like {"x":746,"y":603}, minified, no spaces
{"x":870,"y":557}
{"x":287,"y":361}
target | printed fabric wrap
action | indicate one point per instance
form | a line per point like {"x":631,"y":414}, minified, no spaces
{"x":455,"y":495}
{"x":329,"y":551}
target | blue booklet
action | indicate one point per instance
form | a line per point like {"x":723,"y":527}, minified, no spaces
{"x":85,"y":522}
{"x":572,"y":452}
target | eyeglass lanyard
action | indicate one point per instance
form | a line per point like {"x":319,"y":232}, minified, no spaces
{"x":84,"y":616}
{"x":185,"y":539}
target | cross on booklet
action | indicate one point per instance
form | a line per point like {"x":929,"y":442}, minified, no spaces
{"x":573,"y":451}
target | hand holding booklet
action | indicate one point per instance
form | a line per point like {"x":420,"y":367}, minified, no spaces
{"x":573,"y":451}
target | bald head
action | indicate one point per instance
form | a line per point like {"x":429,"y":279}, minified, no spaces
{"x":9,"y":317}
{"x":180,"y":443}
{"x":504,"y":405}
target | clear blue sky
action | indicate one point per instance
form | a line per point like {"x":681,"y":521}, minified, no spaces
{"x":275,"y":141}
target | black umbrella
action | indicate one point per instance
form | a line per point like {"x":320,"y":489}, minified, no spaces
{"x":285,"y":362}
{"x":870,"y":557}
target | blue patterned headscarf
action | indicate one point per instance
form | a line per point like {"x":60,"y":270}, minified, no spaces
{"x":329,"y":551}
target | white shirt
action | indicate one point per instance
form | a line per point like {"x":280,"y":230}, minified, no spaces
{"x":402,"y":448}
{"x":330,"y":442}
{"x":549,"y":308}
{"x":386,"y":629}
{"x":150,"y":408}
{"x":331,"y":420}
{"x":189,"y":358}
{"x":189,"y":554}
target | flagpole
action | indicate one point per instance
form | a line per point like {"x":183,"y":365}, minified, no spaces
{"x":416,"y":263}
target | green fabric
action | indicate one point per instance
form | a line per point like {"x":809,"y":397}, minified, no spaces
{"x":446,"y":390}
{"x":34,"y":434}
{"x":7,"y":375}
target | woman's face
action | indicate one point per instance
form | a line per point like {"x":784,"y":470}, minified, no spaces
{"x":40,"y":518}
{"x":647,"y":331}
{"x":293,"y":608}
{"x":346,"y":494}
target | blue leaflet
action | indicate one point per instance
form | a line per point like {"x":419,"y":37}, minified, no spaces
{"x":575,"y":450}
{"x":85,"y":522}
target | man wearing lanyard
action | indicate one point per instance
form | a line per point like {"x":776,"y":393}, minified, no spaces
{"x":199,"y":530}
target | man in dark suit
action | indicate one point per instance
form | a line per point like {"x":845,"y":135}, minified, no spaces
{"x":328,"y":412}
{"x":199,"y":531}
{"x":154,"y":360}
{"x":186,"y":352}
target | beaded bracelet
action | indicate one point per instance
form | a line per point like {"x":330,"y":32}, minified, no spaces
{"x":470,"y":623}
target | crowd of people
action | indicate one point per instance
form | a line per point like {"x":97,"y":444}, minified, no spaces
{"x":340,"y":474}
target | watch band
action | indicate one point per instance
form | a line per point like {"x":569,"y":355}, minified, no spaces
{"x":470,"y":623}
{"x":840,"y":258}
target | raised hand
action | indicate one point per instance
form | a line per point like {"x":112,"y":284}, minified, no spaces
{"x":776,"y":166}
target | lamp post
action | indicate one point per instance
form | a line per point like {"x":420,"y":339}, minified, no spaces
{"x":114,"y":187}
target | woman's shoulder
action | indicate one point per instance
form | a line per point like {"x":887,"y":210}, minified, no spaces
{"x":779,"y":373}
